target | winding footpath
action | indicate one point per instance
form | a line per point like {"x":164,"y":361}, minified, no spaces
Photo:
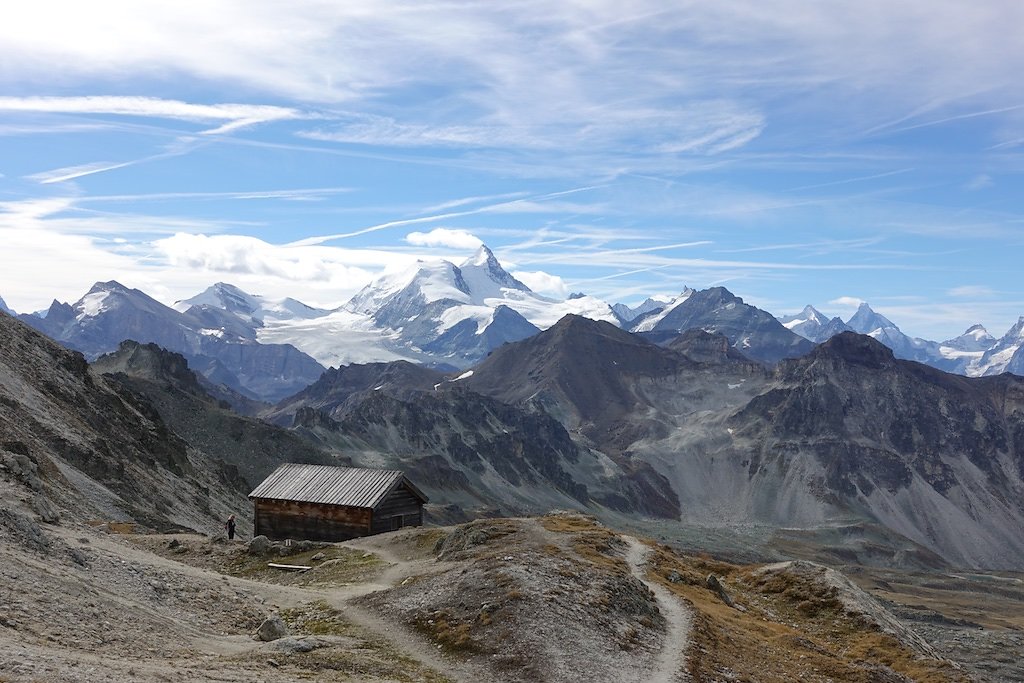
{"x":670,"y":664}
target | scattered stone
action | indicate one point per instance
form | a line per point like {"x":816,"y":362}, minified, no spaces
{"x":714,"y":584}
{"x":259,"y":545}
{"x":293,"y":644}
{"x":319,"y":557}
{"x":174,"y":544}
{"x":674,"y":577}
{"x":78,"y":557}
{"x":25,"y":530}
{"x":42,"y":506}
{"x":272,"y":628}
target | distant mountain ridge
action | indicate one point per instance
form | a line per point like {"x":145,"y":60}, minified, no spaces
{"x":449,"y":316}
{"x":216,"y":343}
{"x":975,"y":353}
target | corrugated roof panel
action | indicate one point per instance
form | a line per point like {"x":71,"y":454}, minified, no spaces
{"x":350,"y":486}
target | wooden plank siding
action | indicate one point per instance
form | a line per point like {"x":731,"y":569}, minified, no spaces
{"x":282,"y":519}
{"x":400,"y":508}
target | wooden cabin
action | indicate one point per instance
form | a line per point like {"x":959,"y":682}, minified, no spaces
{"x":324,"y":503}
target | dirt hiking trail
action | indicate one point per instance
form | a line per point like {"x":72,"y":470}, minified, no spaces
{"x":670,"y":667}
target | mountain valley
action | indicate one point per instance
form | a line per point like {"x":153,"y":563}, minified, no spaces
{"x":734,"y":436}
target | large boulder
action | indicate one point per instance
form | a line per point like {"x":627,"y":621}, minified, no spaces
{"x":272,"y":628}
{"x":259,"y":546}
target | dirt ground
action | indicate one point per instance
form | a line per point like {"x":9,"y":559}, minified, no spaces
{"x":557,"y":598}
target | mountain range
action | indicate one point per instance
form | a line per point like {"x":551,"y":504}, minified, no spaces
{"x":909,"y":465}
{"x":447,"y":316}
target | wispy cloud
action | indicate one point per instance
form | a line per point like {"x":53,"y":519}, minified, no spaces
{"x":972,"y":291}
{"x":499,"y":207}
{"x":947,"y":119}
{"x":298,"y":194}
{"x":234,"y":116}
{"x":60,"y":175}
{"x":979,"y":182}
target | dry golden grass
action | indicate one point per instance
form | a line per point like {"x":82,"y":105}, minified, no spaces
{"x":792,"y":629}
{"x":451,"y":633}
{"x":591,"y":541}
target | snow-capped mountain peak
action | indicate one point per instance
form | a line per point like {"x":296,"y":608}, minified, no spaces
{"x":251,"y":308}
{"x":809,"y":314}
{"x":975,"y":339}
{"x":1015,"y":333}
{"x":648,"y":323}
{"x":486,"y":277}
{"x":630,"y":313}
{"x":812,"y":324}
{"x":423,"y":282}
{"x":221,"y":295}
{"x":867,"y":321}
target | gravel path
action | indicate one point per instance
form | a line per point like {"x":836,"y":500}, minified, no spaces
{"x":670,"y":665}
{"x":404,"y":639}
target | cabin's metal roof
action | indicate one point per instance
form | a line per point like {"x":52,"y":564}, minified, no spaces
{"x":349,"y":486}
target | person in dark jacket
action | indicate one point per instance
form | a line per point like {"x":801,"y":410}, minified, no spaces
{"x":230,"y":526}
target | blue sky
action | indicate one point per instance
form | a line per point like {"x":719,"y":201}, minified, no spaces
{"x":795,"y":152}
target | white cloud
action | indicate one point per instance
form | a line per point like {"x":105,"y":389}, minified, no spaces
{"x":240,"y":254}
{"x":60,"y":175}
{"x":979,"y":182}
{"x":234,"y":116}
{"x":847,"y":302}
{"x":971,"y":291}
{"x":444,"y":237}
{"x":543,"y":283}
{"x":696,"y":78}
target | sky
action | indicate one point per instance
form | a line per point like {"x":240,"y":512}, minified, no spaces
{"x":796,"y":152}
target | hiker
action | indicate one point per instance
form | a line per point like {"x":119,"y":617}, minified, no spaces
{"x":230,"y":526}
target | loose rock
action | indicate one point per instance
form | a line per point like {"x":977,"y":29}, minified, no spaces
{"x":272,"y":628}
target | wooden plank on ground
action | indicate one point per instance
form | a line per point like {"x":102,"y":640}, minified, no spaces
{"x":289,"y":567}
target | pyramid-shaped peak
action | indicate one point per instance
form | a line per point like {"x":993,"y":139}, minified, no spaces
{"x":486,"y":276}
{"x":811,"y":313}
{"x":483,"y":256}
{"x":866,"y":320}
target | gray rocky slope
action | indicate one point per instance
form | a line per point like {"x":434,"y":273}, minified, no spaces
{"x":96,"y":447}
{"x":848,"y":432}
{"x":848,"y":437}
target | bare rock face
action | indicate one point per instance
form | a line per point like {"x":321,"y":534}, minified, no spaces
{"x":756,"y":333}
{"x":272,"y":628}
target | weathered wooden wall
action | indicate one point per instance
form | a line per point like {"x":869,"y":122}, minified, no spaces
{"x":399,"y":509}
{"x":282,"y":519}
